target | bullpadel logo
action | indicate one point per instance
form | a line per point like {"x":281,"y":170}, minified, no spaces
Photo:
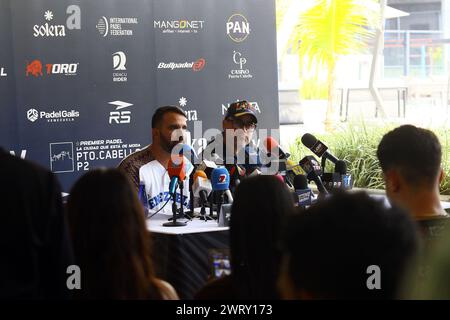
{"x":194,"y":66}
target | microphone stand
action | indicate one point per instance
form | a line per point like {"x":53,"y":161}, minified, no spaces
{"x":174,"y":222}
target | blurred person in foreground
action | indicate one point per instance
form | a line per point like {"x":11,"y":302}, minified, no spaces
{"x":111,"y":242}
{"x":34,"y":240}
{"x":260,"y":206}
{"x":349,"y":246}
{"x":410,"y":158}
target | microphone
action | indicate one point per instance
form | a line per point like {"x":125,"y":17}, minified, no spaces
{"x":177,"y":171}
{"x":340,"y":167}
{"x":313,"y":170}
{"x":202,"y":186}
{"x":207,"y":166}
{"x":302,"y":191}
{"x":187,"y":151}
{"x":220,"y":181}
{"x":346,"y":179}
{"x":272,"y":146}
{"x":317,"y":147}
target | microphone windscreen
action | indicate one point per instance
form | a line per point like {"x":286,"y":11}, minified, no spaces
{"x":177,"y":167}
{"x":187,"y":151}
{"x":309,"y":140}
{"x":200,"y":173}
{"x":270,"y":143}
{"x":280,"y":177}
{"x":300,"y":182}
{"x":340,"y":167}
{"x":220,"y":179}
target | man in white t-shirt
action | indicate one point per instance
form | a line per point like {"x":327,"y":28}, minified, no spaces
{"x":149,"y":165}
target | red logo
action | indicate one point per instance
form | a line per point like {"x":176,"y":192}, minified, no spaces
{"x":222,"y":178}
{"x":199,"y":65}
{"x":35,"y":68}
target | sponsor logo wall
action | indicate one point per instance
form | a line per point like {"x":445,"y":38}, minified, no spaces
{"x":87,"y":76}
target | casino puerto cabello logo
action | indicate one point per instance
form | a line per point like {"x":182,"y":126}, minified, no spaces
{"x":178,"y":26}
{"x":36,"y":68}
{"x":51,"y":29}
{"x":238,"y":28}
{"x":53,"y":116}
{"x":195,"y":66}
{"x":240,"y":71}
{"x":116,"y":26}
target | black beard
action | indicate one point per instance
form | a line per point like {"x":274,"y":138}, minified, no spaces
{"x":167,"y":145}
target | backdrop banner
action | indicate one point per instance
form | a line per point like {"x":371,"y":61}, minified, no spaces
{"x":80,"y":80}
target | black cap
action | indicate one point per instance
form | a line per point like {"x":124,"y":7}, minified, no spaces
{"x":240,"y":108}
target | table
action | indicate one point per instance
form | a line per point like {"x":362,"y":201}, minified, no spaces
{"x":181,"y":254}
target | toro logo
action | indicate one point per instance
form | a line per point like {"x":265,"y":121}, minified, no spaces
{"x":35,"y":68}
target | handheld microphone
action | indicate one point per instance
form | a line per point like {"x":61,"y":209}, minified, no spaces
{"x":272,"y":146}
{"x":302,"y":191}
{"x":177,"y":171}
{"x":346,"y":178}
{"x":202,"y":186}
{"x":313,"y":170}
{"x":220,"y":180}
{"x":340,"y":167}
{"x":317,"y":147}
{"x":187,"y":151}
{"x":207,"y":166}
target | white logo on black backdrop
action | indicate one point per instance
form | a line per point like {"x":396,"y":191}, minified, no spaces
{"x":253,"y":104}
{"x":240,"y":73}
{"x":3,"y":72}
{"x":194,"y":66}
{"x":178,"y":26}
{"x":120,"y":116}
{"x":61,"y":157}
{"x":238,"y":27}
{"x":116,"y":26}
{"x":119,"y":64}
{"x":51,"y":29}
{"x":191,"y":115}
{"x":53,"y":116}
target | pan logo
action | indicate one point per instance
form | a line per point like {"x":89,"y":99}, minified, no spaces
{"x":115,"y":26}
{"x":119,"y":64}
{"x":61,"y":157}
{"x":119,"y":116}
{"x":238,"y":27}
{"x":3,"y":72}
{"x":59,"y":30}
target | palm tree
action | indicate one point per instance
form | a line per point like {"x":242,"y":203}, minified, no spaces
{"x":328,"y":30}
